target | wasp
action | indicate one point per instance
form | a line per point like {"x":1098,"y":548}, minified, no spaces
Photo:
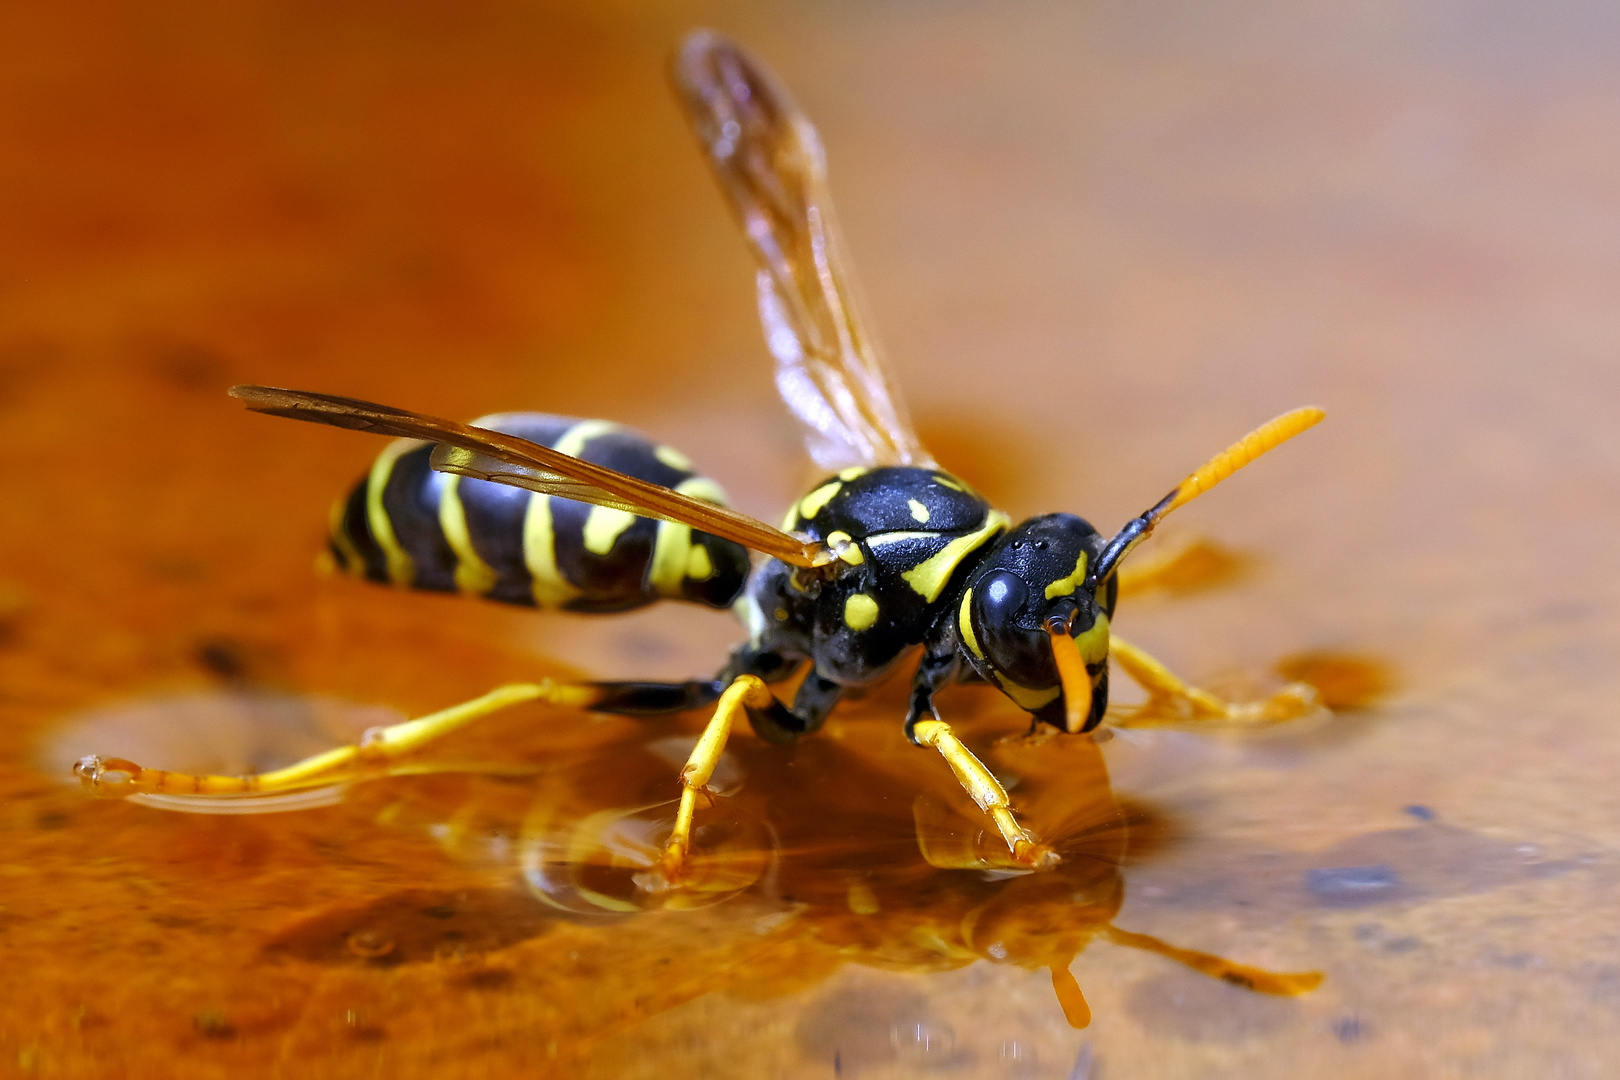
{"x":888,"y":556}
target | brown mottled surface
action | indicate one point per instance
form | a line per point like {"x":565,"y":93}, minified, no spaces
{"x":1100,"y":242}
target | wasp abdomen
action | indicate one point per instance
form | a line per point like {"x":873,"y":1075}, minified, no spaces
{"x":407,"y":525}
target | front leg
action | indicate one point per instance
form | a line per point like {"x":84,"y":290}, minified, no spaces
{"x":938,"y":668}
{"x":1171,"y":701}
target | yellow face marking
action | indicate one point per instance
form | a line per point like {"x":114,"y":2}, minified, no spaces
{"x":673,"y":458}
{"x":401,"y":568}
{"x":930,"y":576}
{"x":964,"y":624}
{"x":474,"y":576}
{"x":860,"y":612}
{"x":945,"y":481}
{"x":698,"y":565}
{"x":844,"y":546}
{"x":348,"y":554}
{"x":811,"y":504}
{"x":1027,"y":699}
{"x":603,"y":527}
{"x":781,"y":614}
{"x":1094,"y":642}
{"x":1063,"y":586}
{"x":853,"y":472}
{"x":918,"y":511}
{"x":551,"y":589}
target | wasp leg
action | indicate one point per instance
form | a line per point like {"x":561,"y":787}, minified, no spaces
{"x":1282,"y":983}
{"x":985,"y":790}
{"x":746,"y":693}
{"x":377,"y":753}
{"x":1170,"y":700}
{"x":1193,"y":565}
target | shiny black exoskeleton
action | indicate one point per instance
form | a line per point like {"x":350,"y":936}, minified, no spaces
{"x":924,"y":560}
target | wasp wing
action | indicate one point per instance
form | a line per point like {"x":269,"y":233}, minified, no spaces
{"x":507,"y":459}
{"x":770,"y":165}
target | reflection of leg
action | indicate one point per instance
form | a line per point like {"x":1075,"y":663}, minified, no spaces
{"x":1193,"y":565}
{"x":376,"y":754}
{"x":1170,"y":699}
{"x":985,"y":790}
{"x":745,"y":692}
{"x":1070,"y":999}
{"x":1250,"y":978}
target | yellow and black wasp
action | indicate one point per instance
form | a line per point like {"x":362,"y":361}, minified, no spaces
{"x":888,"y":554}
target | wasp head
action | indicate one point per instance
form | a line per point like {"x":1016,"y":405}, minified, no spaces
{"x":1032,"y":623}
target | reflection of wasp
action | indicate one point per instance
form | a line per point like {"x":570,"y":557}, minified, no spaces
{"x":816,"y":861}
{"x":886,"y":554}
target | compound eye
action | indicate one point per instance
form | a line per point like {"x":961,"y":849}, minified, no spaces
{"x":1000,"y":595}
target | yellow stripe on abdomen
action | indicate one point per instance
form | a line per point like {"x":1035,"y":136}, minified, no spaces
{"x":401,"y":568}
{"x":551,"y":589}
{"x":474,"y":576}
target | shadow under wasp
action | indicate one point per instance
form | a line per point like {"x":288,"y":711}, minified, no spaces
{"x":889,"y":556}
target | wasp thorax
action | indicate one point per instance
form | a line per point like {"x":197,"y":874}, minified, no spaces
{"x":1032,"y":584}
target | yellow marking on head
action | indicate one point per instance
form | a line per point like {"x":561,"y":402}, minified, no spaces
{"x":1027,"y":699}
{"x":843,"y":545}
{"x":853,"y":472}
{"x":701,"y":487}
{"x":964,"y":624}
{"x":944,"y":481}
{"x":698,"y":565}
{"x":603,"y":527}
{"x":673,"y":458}
{"x":574,"y":439}
{"x":1094,"y":642}
{"x":860,"y":612}
{"x":918,"y":511}
{"x":551,"y":589}
{"x":401,"y":568}
{"x":781,"y":614}
{"x":1063,"y":586}
{"x":790,"y":520}
{"x":473,"y":575}
{"x":671,"y":553}
{"x":930,"y":576}
{"x":348,"y":555}
{"x":811,"y":504}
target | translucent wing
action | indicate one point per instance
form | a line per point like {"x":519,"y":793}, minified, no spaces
{"x":770,"y":165}
{"x":507,"y":459}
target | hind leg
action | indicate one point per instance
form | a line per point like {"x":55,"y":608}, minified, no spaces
{"x":378,"y":752}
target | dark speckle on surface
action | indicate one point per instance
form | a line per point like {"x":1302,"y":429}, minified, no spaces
{"x":863,"y":1028}
{"x":1352,"y":886}
{"x":1350,"y":1030}
{"x":1421,"y":812}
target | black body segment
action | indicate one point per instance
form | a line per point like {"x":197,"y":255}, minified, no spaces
{"x":906,"y":533}
{"x":406,"y":524}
